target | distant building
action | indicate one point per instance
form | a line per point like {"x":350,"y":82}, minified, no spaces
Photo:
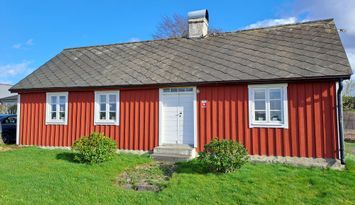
{"x":7,"y":99}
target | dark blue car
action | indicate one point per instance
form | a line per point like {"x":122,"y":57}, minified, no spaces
{"x":8,"y":128}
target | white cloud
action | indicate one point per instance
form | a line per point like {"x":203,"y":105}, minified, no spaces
{"x":6,"y":82}
{"x":272,"y":22}
{"x":134,"y":39}
{"x":11,"y":73}
{"x":17,"y":46}
{"x":28,"y":43}
{"x":343,"y":11}
{"x":351,"y":56}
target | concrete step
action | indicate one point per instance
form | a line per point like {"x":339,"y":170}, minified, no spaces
{"x":177,"y":150}
{"x":171,"y":157}
{"x":174,"y":153}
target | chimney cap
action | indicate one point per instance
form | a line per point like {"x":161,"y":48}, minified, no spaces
{"x":198,"y":14}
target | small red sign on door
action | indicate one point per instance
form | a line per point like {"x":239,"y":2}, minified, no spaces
{"x":203,"y":103}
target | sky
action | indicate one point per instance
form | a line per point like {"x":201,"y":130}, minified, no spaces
{"x":32,"y":32}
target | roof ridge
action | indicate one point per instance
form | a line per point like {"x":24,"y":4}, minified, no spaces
{"x":211,"y":34}
{"x":277,"y":26}
{"x":122,"y":43}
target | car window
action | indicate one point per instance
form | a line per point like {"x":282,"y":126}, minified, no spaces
{"x":10,"y":120}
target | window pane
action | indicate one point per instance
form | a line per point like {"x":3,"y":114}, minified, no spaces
{"x":113,"y":107}
{"x":103,"y":107}
{"x":189,"y":89}
{"x":102,"y":98}
{"x":173,"y":89}
{"x":260,"y":116}
{"x":181,"y":89}
{"x":112,"y":98}
{"x":275,"y":115}
{"x":61,"y":115}
{"x":102,"y":115}
{"x":62,"y":107}
{"x":53,"y":115}
{"x":259,"y":94}
{"x":275,"y":104}
{"x":62,"y":99}
{"x":112,"y":115}
{"x":260,"y":105}
{"x":53,"y":99}
{"x":54,"y":107}
{"x":166,"y":90}
{"x":275,"y":94}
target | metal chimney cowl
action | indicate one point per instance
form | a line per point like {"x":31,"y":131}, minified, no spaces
{"x":198,"y":23}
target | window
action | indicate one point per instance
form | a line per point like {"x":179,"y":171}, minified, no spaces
{"x":174,"y":90}
{"x":10,"y":120}
{"x":107,"y":108}
{"x":57,"y":108}
{"x":268,"y":106}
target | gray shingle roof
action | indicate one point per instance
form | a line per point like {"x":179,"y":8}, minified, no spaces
{"x":299,"y":51}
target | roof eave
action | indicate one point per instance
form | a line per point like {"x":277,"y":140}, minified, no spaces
{"x":128,"y":86}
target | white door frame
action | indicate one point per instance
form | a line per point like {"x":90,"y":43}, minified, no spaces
{"x":161,"y":113}
{"x":18,"y":119}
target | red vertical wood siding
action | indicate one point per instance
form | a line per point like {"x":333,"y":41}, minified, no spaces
{"x":311,"y":114}
{"x":138,"y":128}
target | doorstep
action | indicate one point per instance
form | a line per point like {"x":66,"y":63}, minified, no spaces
{"x":174,"y":153}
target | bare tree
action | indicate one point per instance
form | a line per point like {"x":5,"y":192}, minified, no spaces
{"x":349,"y":88}
{"x":175,"y":26}
{"x":171,"y":27}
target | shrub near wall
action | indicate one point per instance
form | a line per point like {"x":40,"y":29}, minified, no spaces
{"x":95,"y":148}
{"x":348,"y":103}
{"x":223,"y":156}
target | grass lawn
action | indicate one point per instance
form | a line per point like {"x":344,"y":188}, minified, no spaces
{"x":37,"y":176}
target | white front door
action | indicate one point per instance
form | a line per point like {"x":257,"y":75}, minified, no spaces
{"x":177,"y":116}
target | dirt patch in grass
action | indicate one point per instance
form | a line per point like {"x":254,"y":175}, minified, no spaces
{"x":349,"y":135}
{"x":148,"y":177}
{"x":4,"y":148}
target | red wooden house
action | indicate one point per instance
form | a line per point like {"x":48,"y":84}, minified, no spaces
{"x":276,"y":90}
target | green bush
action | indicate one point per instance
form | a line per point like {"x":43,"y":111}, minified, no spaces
{"x":95,"y":148}
{"x":348,"y":103}
{"x":223,"y":156}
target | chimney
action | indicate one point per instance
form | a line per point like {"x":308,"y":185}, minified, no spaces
{"x":198,"y":23}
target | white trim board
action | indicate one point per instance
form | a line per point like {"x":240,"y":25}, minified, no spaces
{"x":337,"y":117}
{"x":18,"y":119}
{"x":195,"y":116}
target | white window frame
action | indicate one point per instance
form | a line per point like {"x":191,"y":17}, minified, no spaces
{"x":284,"y":106}
{"x":97,"y":120}
{"x":49,"y":120}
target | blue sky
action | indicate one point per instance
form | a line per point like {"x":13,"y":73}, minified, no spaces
{"x":32,"y":32}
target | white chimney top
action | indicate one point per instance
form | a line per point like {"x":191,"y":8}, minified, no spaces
{"x":198,"y":23}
